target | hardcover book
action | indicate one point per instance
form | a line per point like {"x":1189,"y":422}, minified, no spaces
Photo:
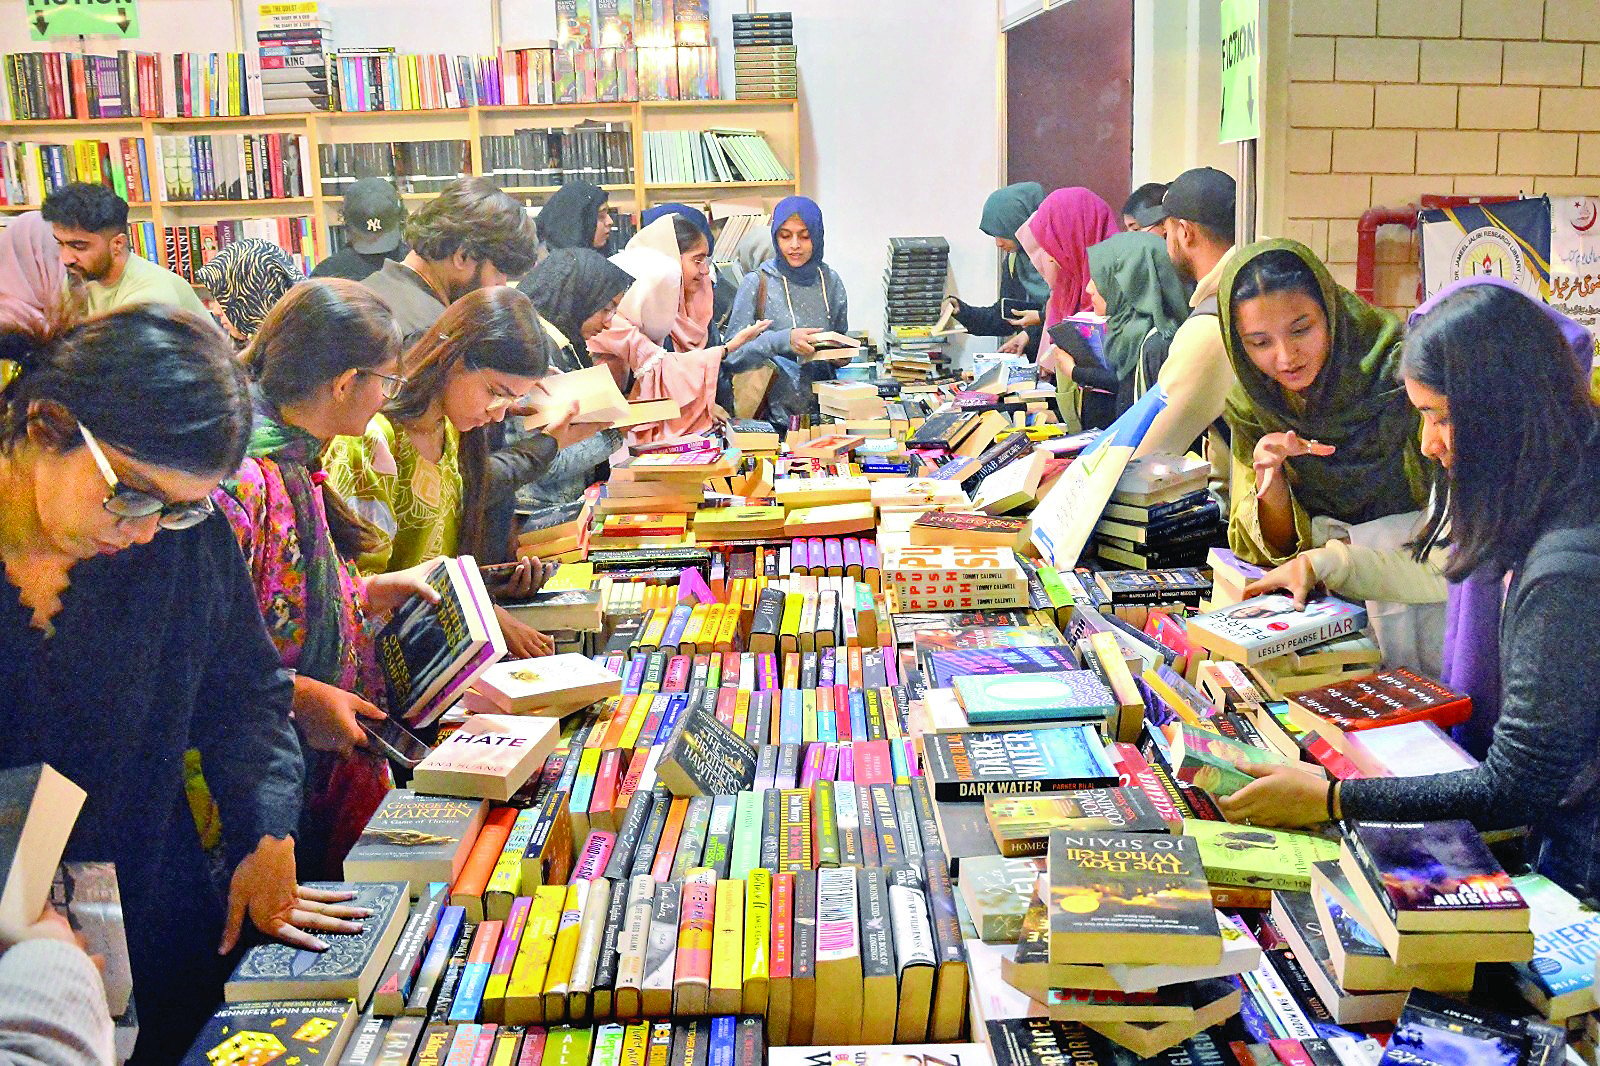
{"x":1050,"y":759}
{"x":490,"y":757}
{"x":302,"y":1030}
{"x":550,"y":686}
{"x":348,"y":968}
{"x":704,"y":757}
{"x":1268,"y":626}
{"x":1067,"y":695}
{"x":416,"y":838}
{"x":1435,"y":876}
{"x":1022,"y":824}
{"x":1129,"y":899}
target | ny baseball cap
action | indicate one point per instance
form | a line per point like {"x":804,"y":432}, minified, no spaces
{"x":374,"y":216}
{"x":1204,"y":195}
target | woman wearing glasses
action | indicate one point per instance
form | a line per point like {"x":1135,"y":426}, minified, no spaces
{"x":421,"y":473}
{"x":119,"y":649}
{"x":324,"y":360}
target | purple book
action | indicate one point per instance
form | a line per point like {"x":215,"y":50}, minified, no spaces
{"x":833,"y":549}
{"x":826,"y":665}
{"x":634,"y":678}
{"x":851,"y":549}
{"x":945,"y":666}
{"x":811,"y":767}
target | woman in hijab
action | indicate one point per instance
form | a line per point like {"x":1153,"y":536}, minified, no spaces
{"x":1323,"y":436}
{"x":245,"y":280}
{"x":1134,"y":286}
{"x":800,"y":295}
{"x":1016,"y":315}
{"x":722,"y":291}
{"x":1057,"y":238}
{"x":656,"y":343}
{"x":32,"y":283}
{"x":574,"y":217}
{"x":576,"y":292}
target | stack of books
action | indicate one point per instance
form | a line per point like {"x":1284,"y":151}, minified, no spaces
{"x":411,"y":166}
{"x":292,"y":49}
{"x":1161,"y":515}
{"x":914,"y":282}
{"x":764,"y":56}
{"x":722,"y":154}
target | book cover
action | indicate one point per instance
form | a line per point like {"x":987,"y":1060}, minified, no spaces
{"x":1267,"y":626}
{"x":996,"y":890}
{"x":971,"y":765}
{"x":1129,"y":899}
{"x":945,"y":666}
{"x":38,"y":808}
{"x":1436,"y":875}
{"x":87,"y":894}
{"x":1560,"y":977}
{"x":416,"y":838}
{"x":303,"y":1030}
{"x":425,"y":646}
{"x":704,"y":757}
{"x":1061,"y":695}
{"x":1435,"y":1031}
{"x":1257,"y":857}
{"x":348,"y":968}
{"x":553,"y":685}
{"x":1390,"y":697}
{"x":1022,"y":824}
{"x":491,"y":756}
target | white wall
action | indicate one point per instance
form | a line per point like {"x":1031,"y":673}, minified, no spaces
{"x":900,"y":113}
{"x":1177,"y":89}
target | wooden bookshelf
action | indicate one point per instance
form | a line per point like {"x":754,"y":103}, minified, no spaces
{"x":777,"y":120}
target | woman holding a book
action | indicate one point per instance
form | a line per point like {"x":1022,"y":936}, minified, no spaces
{"x":421,"y":473}
{"x":1016,"y":315}
{"x":1323,"y":438}
{"x":1506,"y":413}
{"x":1057,"y":238}
{"x":130,"y":633}
{"x":801,"y":296}
{"x":324,"y":360}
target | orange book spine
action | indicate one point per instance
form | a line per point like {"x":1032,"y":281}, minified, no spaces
{"x":475,"y":872}
{"x":661,"y":869}
{"x":696,"y":928}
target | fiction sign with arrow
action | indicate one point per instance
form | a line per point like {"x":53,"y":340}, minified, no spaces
{"x":1241,"y":70}
{"x":49,"y":19}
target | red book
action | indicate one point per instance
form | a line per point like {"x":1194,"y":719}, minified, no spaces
{"x":1134,"y":772}
{"x":275,"y":164}
{"x":1389,"y":697}
{"x":607,"y":778}
{"x":872,"y":762}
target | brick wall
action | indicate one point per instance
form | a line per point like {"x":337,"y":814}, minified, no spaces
{"x":1391,"y":99}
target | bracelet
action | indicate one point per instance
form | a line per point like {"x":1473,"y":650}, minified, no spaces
{"x":1333,"y":798}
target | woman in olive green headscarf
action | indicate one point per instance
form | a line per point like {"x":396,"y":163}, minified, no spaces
{"x":1021,"y":287}
{"x":1322,"y":430}
{"x":1133,"y":284}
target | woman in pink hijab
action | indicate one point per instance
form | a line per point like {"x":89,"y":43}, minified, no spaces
{"x":1057,"y":238}
{"x":656,"y":343}
{"x":32,"y":283}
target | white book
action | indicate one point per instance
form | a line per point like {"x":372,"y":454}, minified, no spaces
{"x":552,"y":685}
{"x":490,"y":757}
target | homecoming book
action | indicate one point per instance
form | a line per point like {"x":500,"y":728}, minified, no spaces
{"x":1022,"y":824}
{"x":1048,"y":759}
{"x":1129,"y":898}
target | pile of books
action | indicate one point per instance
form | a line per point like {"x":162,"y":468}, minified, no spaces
{"x":600,"y":153}
{"x":1161,"y":515}
{"x":722,"y":154}
{"x":292,"y":47}
{"x":764,"y":56}
{"x":411,"y":166}
{"x":914,"y":281}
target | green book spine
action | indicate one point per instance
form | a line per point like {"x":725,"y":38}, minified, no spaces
{"x":825,"y":825}
{"x":746,"y":835}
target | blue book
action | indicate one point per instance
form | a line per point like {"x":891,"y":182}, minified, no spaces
{"x":791,"y":717}
{"x":722,"y":1040}
{"x":1559,"y":979}
{"x":1015,"y":761}
{"x":1059,"y":695}
{"x":945,"y":666}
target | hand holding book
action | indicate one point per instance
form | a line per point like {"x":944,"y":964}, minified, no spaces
{"x":1297,"y":577}
{"x":1281,"y":797}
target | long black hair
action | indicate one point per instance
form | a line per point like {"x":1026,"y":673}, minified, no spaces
{"x":1522,"y":421}
{"x":1278,"y":270}
{"x":160,"y":385}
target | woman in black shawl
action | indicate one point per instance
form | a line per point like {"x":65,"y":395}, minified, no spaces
{"x":575,"y":217}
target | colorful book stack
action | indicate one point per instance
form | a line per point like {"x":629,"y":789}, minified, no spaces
{"x":235,"y":166}
{"x":764,"y":56}
{"x":292,"y":47}
{"x":184,"y":249}
{"x":600,"y":153}
{"x":31,"y":170}
{"x":614,"y":51}
{"x":58,"y":85}
{"x":1160,"y":515}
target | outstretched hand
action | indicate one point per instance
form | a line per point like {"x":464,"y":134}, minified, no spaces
{"x":1280,"y":796}
{"x":1297,"y":577}
{"x":1273,"y":448}
{"x":264,"y":887}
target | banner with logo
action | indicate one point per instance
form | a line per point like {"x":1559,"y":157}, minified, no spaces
{"x":1575,"y":263}
{"x":1509,"y":240}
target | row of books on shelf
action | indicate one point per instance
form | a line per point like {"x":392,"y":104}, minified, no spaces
{"x":184,"y":249}
{"x":600,"y":153}
{"x":725,"y":155}
{"x":30,"y":170}
{"x":412,"y":166}
{"x":652,"y":23}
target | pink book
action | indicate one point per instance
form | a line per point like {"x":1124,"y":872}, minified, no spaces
{"x":811,"y":765}
{"x":692,"y":587}
{"x":596,"y":853}
{"x":841,"y":712}
{"x":873,"y":765}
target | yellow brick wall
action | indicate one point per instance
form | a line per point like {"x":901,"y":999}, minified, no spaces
{"x":1391,"y":99}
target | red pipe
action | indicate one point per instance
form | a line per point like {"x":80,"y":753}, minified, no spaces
{"x":1367,"y":234}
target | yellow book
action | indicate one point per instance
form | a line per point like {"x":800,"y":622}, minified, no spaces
{"x":747,"y":606}
{"x":727,"y":949}
{"x":1130,"y":704}
{"x":1180,"y":706}
{"x":808,"y":622}
{"x":728,"y":626}
{"x":830,"y":520}
{"x":635,"y":1045}
{"x":505,"y":881}
{"x":641,"y":711}
{"x":820,"y":491}
{"x":654,"y":629}
{"x":741,"y":712}
{"x":564,"y":952}
{"x":570,"y":577}
{"x":789,"y":630}
{"x":524,"y":1002}
{"x":757,"y":928}
{"x":660,"y":1044}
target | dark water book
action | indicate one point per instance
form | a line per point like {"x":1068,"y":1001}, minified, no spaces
{"x":348,"y":969}
{"x":1050,"y":759}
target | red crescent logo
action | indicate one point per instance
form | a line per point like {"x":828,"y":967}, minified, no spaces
{"x":1586,"y":216}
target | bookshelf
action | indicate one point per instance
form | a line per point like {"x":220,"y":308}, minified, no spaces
{"x":776,"y":120}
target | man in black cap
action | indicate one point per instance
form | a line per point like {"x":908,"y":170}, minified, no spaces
{"x":1197,"y":212}
{"x":374,"y":217}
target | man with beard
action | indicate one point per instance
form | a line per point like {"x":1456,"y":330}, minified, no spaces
{"x":91,"y":226}
{"x":469,"y":237}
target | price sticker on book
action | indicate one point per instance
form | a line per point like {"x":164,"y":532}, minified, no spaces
{"x":49,"y":19}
